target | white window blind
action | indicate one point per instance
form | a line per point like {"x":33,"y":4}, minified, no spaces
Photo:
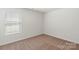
{"x":12,"y":25}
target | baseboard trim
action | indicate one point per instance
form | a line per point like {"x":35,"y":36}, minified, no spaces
{"x":37,"y":36}
{"x":20,"y":39}
{"x":62,"y":38}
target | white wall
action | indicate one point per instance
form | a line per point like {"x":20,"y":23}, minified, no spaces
{"x":63,"y":23}
{"x":31,"y":24}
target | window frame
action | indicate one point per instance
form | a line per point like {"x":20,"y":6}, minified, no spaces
{"x":13,"y":23}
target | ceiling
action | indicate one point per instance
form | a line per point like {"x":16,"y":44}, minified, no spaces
{"x":44,"y":10}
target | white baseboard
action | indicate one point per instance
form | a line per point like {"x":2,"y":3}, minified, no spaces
{"x":8,"y":42}
{"x":63,"y":38}
{"x":4,"y":43}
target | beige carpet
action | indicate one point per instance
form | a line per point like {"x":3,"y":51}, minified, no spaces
{"x":41,"y":42}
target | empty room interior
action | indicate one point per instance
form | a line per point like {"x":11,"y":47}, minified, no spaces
{"x":39,"y":29}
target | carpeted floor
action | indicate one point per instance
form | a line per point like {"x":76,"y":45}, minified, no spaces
{"x":41,"y":42}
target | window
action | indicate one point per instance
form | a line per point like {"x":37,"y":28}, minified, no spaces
{"x":12,"y":29}
{"x":12,"y":25}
